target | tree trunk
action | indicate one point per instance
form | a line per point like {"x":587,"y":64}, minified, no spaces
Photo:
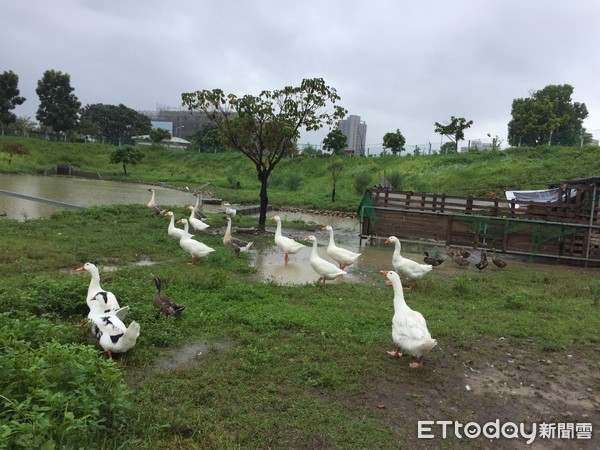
{"x":124,"y":169}
{"x":333,"y":194}
{"x":264,"y":202}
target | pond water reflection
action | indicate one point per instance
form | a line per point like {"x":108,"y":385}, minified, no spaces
{"x":78,"y":192}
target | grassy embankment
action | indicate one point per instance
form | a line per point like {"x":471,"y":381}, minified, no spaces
{"x":479,"y":174}
{"x":283,"y":363}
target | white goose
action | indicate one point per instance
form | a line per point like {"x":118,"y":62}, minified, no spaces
{"x":229,"y":211}
{"x":409,"y":329}
{"x":112,"y":334}
{"x":407,"y":268}
{"x":285,"y":243}
{"x":110,"y":305}
{"x":196,"y":224}
{"x":237,"y":245}
{"x":195,"y":248}
{"x":153,"y":205}
{"x":172,"y":230}
{"x":341,"y":255}
{"x":325,"y":269}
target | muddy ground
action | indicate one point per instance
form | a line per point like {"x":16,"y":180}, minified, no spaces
{"x":495,"y":381}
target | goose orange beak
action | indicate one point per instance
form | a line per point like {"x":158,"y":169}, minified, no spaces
{"x":384,"y":272}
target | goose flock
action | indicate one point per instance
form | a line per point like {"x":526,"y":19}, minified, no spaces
{"x":410,"y":334}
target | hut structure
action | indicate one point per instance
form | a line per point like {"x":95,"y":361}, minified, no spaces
{"x":560,"y":222}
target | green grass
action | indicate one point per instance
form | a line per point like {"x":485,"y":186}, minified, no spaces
{"x":283,"y":363}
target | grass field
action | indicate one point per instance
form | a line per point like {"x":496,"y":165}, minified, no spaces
{"x":250,"y":364}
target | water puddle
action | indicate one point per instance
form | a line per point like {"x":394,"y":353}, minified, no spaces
{"x":188,"y":355}
{"x":271,"y":267}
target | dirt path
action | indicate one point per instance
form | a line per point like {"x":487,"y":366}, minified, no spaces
{"x":496,"y":381}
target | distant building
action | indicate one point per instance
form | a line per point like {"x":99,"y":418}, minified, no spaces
{"x":356,"y":133}
{"x":476,"y":145}
{"x":180,"y":123}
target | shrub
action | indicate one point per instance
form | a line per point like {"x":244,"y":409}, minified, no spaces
{"x":395,"y":180}
{"x":53,"y":394}
{"x":293,"y":181}
{"x":362,"y":181}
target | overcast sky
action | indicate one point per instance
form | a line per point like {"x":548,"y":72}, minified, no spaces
{"x":397,"y":64}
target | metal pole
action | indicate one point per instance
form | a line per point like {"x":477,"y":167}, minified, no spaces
{"x":591,"y":224}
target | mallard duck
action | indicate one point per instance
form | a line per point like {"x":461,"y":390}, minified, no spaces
{"x":431,"y":260}
{"x":462,"y":262}
{"x":409,"y":329}
{"x":237,"y":245}
{"x":164,"y":303}
{"x":407,"y":268}
{"x":112,"y":334}
{"x":449,"y":251}
{"x":325,"y":269}
{"x":483,"y":262}
{"x":284,"y":243}
{"x":153,"y":205}
{"x":195,"y":248}
{"x":340,"y":255}
{"x":110,"y":305}
{"x":464,"y":253}
{"x":196,"y":224}
{"x":229,"y":211}
{"x":172,"y":230}
{"x":497,"y":261}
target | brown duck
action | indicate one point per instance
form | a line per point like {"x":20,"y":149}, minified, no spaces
{"x":497,"y":261}
{"x":431,"y":260}
{"x":483,"y":261}
{"x":164,"y":303}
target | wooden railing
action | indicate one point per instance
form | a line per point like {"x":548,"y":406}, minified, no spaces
{"x":562,"y":229}
{"x":442,"y":203}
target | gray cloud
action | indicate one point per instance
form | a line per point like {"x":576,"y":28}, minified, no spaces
{"x":398,"y":65}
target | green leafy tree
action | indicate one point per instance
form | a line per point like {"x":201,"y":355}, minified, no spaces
{"x":158,"y":135}
{"x":13,"y":148}
{"x":22,"y":125}
{"x":90,"y":128}
{"x":59,"y":107}
{"x":265,"y":127}
{"x":394,"y":141}
{"x":310,"y":151}
{"x":208,"y":139}
{"x":547,"y":117}
{"x":335,"y":167}
{"x":126,"y":155}
{"x":116,"y":122}
{"x":335,"y":142}
{"x":447,"y":148}
{"x":454,"y":130}
{"x":9,"y":97}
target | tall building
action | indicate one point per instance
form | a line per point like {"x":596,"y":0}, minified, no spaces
{"x":356,"y":133}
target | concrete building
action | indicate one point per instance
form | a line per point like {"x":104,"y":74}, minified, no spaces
{"x":181,"y":123}
{"x":356,"y":132}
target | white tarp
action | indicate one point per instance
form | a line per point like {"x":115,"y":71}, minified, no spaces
{"x":540,"y":196}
